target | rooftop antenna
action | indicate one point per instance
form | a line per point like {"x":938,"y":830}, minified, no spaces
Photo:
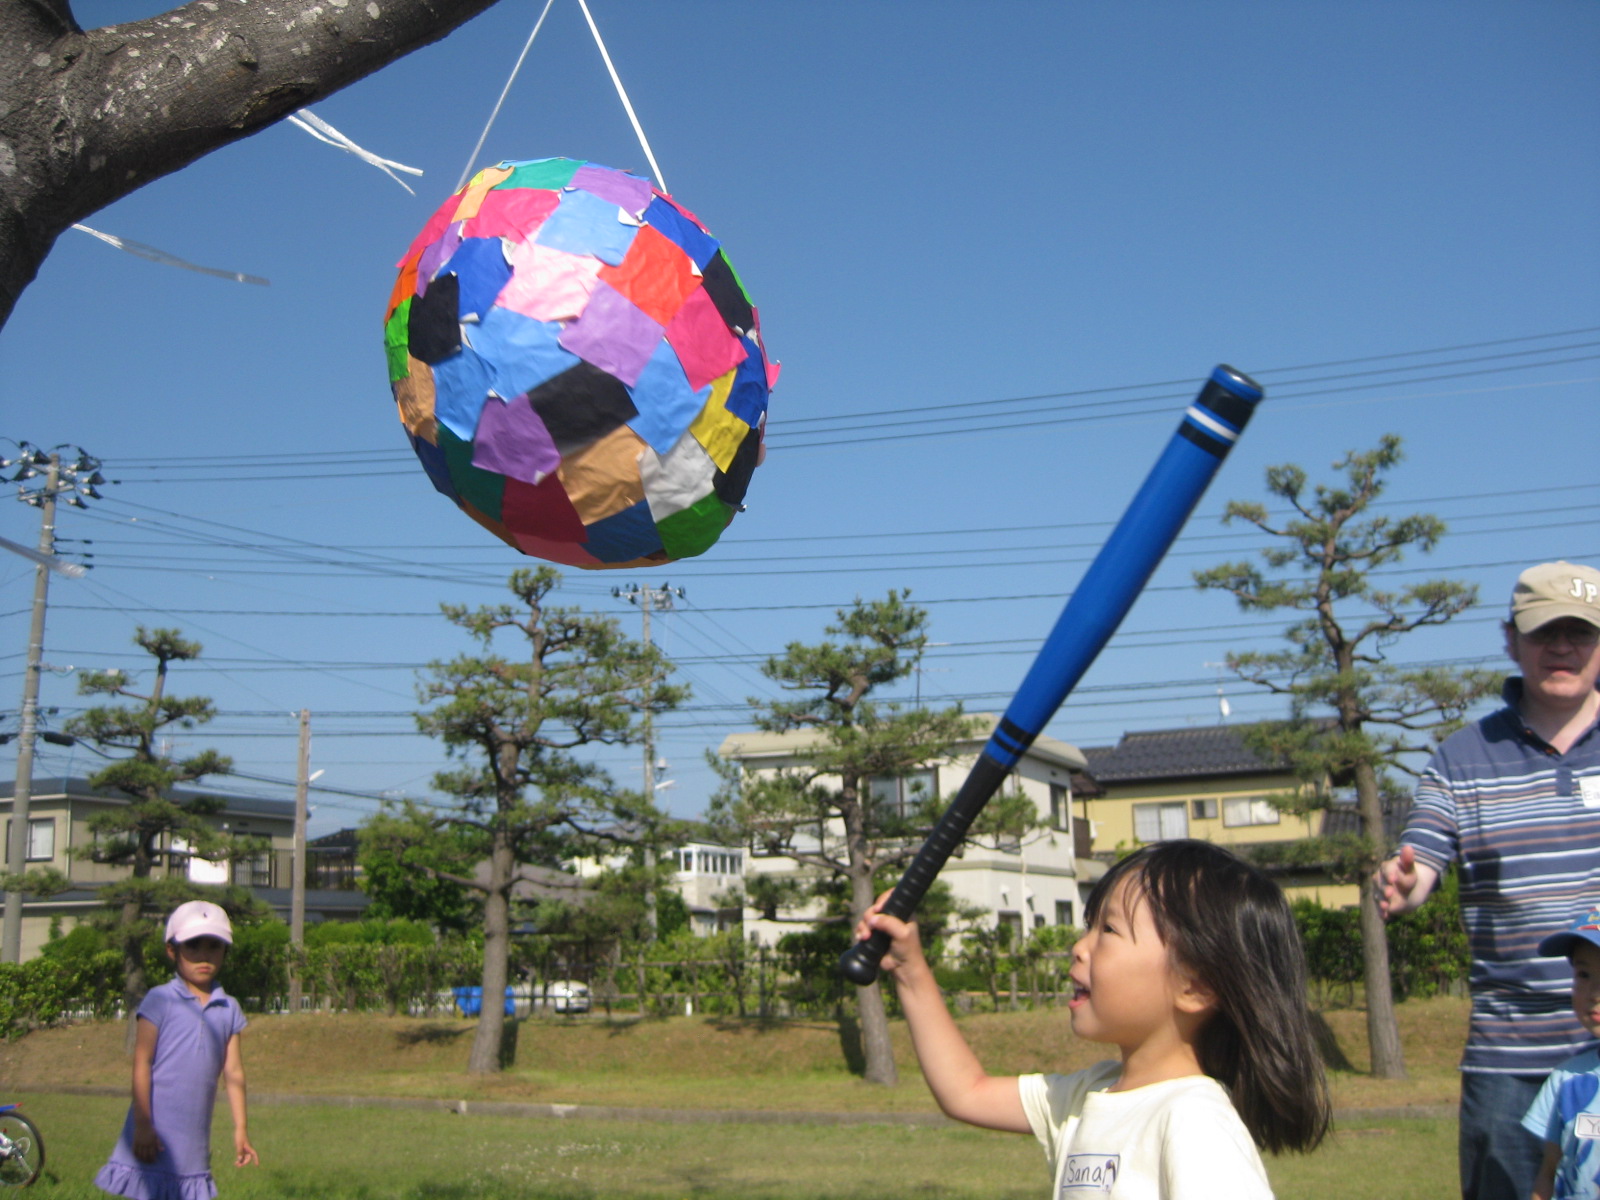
{"x":1224,"y":709}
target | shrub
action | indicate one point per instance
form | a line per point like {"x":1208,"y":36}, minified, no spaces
{"x":256,"y":972}
{"x":1428,"y":950}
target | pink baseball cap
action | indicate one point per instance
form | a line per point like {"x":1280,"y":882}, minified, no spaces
{"x":198,"y":918}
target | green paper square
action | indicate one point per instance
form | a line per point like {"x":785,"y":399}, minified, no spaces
{"x":734,"y":271}
{"x":397,"y":341}
{"x":484,"y":490}
{"x":695,"y":529}
{"x":551,"y":173}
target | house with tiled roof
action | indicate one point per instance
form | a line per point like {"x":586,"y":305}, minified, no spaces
{"x":1203,"y":782}
{"x":59,"y":822}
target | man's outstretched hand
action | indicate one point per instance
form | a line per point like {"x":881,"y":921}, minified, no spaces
{"x":1402,"y":883}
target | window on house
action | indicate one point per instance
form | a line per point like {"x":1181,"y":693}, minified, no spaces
{"x":903,"y":795}
{"x":1249,"y":810}
{"x":329,"y":868}
{"x":1060,"y":806}
{"x":1064,"y":912}
{"x":1160,"y":822}
{"x":255,"y":871}
{"x":41,"y":839}
{"x":1203,"y":810}
{"x":1012,"y":920}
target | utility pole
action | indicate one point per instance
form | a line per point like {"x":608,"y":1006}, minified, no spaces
{"x":648,"y":599}
{"x":57,"y":479}
{"x":297,"y":884}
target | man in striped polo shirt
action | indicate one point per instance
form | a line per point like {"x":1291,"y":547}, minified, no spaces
{"x":1515,"y":800}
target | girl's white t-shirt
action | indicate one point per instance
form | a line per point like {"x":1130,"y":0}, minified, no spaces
{"x":1177,"y":1140}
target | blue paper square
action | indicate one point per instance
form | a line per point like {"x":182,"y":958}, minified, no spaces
{"x":480,"y":264}
{"x":586,"y":224}
{"x":460,"y":386}
{"x":680,"y":231}
{"x":667,"y":404}
{"x":522,"y":353}
{"x":624,"y":536}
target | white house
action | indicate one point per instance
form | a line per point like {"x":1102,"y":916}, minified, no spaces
{"x":1042,"y":881}
{"x":706,"y":876}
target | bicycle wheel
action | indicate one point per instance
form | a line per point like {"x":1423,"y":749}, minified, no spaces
{"x":21,"y":1166}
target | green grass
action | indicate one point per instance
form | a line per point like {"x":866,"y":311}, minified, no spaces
{"x":683,"y":1062}
{"x":365,"y":1154}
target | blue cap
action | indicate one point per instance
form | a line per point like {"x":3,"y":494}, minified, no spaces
{"x":1585,"y":929}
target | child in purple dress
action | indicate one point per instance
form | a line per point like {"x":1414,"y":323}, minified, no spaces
{"x":188,"y":1035}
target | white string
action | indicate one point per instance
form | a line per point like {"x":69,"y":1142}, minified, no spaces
{"x":484,"y":136}
{"x":638,"y":131}
{"x":170,"y":260}
{"x":323,"y":132}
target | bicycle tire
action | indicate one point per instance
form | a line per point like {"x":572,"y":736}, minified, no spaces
{"x":22,"y":1166}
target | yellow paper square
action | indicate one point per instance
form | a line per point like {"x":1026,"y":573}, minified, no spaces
{"x":717,"y":429}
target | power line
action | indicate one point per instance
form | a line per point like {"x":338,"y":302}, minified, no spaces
{"x":341,"y":553}
{"x":1255,"y":629}
{"x":357,"y":457}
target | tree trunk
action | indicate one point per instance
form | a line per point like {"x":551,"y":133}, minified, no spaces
{"x":134,"y":983}
{"x":490,"y":1035}
{"x":1383,"y":1030}
{"x":876,"y":1050}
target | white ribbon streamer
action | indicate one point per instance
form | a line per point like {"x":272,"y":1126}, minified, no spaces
{"x":323,"y":132}
{"x":171,"y":260}
{"x":71,"y":570}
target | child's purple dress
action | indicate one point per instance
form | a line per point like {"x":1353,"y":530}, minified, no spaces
{"x":191,"y":1045}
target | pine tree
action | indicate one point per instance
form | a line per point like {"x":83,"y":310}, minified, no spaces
{"x":821,"y":811}
{"x":515,"y":722}
{"x":160,"y":829}
{"x":1355,"y":716}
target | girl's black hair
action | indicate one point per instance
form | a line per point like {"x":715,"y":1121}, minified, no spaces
{"x":1227,"y":924}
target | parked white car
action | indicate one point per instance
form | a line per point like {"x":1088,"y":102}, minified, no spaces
{"x":566,"y":996}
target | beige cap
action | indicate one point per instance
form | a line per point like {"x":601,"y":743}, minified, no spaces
{"x":1551,"y":591}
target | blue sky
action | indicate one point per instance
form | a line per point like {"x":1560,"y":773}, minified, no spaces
{"x":940,"y":209}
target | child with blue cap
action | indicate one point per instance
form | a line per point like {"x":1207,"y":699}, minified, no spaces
{"x":1566,"y":1113}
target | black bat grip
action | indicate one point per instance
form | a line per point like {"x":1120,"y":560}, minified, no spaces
{"x":859,"y":964}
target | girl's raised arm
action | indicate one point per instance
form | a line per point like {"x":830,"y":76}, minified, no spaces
{"x":964,"y":1090}
{"x":244,"y":1154}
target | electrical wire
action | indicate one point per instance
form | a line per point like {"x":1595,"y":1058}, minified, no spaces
{"x":781,"y":428}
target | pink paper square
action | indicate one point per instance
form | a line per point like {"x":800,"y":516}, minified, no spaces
{"x":514,"y":213}
{"x":704,"y":344}
{"x":546,"y":284}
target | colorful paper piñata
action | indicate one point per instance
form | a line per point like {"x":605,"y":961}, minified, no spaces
{"x":578,"y":366}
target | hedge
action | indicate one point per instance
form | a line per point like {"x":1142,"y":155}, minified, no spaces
{"x":395,"y":967}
